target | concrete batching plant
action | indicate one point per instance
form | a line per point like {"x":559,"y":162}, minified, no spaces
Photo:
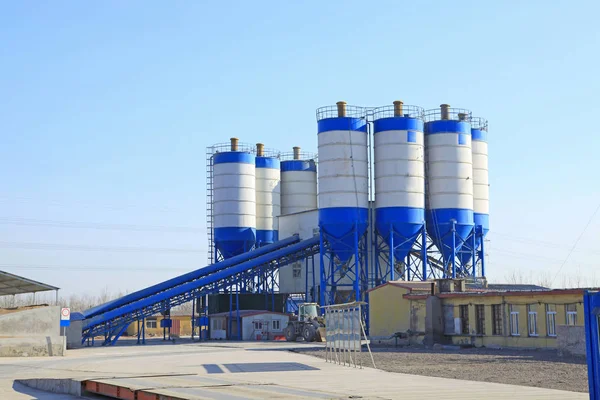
{"x":403,"y":193}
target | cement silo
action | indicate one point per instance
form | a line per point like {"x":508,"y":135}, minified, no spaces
{"x":449,"y":172}
{"x":399,"y":185}
{"x":343,"y":196}
{"x":298,"y":184}
{"x":234,"y":204}
{"x":268,"y":202}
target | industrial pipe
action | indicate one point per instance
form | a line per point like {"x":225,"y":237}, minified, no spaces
{"x":296,"y":153}
{"x":259,"y":149}
{"x":341,"y":108}
{"x":234,"y":143}
{"x":398,"y":108}
{"x":445,"y":111}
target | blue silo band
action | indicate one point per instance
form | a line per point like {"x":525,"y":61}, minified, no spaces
{"x":447,"y":126}
{"x":398,"y":124}
{"x":298,"y":165}
{"x":477,"y":134}
{"x":233,"y":157}
{"x":342,"y":124}
{"x":267,"y":162}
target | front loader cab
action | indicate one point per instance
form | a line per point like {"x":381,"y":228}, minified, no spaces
{"x":307,"y":311}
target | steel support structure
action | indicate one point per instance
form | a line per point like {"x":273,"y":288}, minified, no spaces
{"x":343,"y":282}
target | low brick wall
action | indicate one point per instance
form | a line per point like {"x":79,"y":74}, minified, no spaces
{"x":570,"y":340}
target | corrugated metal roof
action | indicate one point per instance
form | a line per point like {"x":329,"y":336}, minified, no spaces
{"x":14,"y":284}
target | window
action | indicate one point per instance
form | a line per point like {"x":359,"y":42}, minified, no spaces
{"x":257,"y":325}
{"x":532,"y":319}
{"x":217,"y":324}
{"x":276,"y":325}
{"x":464,"y":318}
{"x":571,"y":310}
{"x":497,"y":319}
{"x":480,"y":319}
{"x":297,"y":269}
{"x":151,"y":324}
{"x":551,"y":319}
{"x":514,"y":320}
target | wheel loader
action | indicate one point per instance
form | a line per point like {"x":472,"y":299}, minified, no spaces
{"x":308,"y":325}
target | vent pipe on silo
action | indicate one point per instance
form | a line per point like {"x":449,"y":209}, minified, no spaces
{"x":462,"y":116}
{"x":260,"y":149}
{"x":341,"y":108}
{"x":398,"y":108}
{"x":445,"y":111}
{"x":234,"y":143}
{"x":296,"y":153}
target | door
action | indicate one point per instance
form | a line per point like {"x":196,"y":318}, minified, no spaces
{"x":591,"y":304}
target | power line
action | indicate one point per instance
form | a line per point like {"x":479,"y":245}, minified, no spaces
{"x":93,"y":225}
{"x":77,"y":247}
{"x":577,"y":241}
{"x":95,"y":267}
{"x":118,"y":207}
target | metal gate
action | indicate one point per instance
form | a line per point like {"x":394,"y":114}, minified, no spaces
{"x":591,"y":304}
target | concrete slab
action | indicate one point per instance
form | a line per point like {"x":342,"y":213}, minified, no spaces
{"x":182,"y":369}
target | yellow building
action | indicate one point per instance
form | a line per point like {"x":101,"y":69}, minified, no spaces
{"x":447,"y":312}
{"x":181,"y":326}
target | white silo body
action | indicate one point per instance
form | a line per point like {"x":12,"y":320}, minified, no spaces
{"x":268,"y":199}
{"x":298,"y":185}
{"x":399,"y":175}
{"x":234,"y":205}
{"x":343,"y":178}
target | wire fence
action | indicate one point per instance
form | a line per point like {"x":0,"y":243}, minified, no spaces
{"x":454,"y":114}
{"x":479,"y":123}
{"x":332,"y":112}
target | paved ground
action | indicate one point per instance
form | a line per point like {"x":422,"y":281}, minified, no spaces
{"x":537,"y":368}
{"x":246,"y":371}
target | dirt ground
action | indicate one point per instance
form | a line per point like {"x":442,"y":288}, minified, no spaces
{"x":539,"y":368}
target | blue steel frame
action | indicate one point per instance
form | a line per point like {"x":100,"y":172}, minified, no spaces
{"x":410,"y":268}
{"x":441,"y":267}
{"x":112,"y":323}
{"x":334,"y":272}
{"x":477,"y":253}
{"x":591,"y":306}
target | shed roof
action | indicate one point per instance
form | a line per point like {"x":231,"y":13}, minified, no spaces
{"x":11,"y":284}
{"x":247,"y":313}
{"x":412,"y":286}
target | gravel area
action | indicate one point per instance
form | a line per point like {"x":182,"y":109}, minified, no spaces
{"x":539,"y":368}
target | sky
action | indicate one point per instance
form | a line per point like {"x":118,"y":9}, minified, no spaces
{"x":106,"y":110}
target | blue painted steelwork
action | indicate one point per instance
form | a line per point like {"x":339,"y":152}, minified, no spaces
{"x":267,"y":162}
{"x":110,"y":322}
{"x":187,"y":277}
{"x":591,"y":306}
{"x":342,"y":124}
{"x":298,"y":165}
{"x":233,"y":157}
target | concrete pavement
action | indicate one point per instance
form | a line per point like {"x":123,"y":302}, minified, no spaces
{"x":224,"y":370}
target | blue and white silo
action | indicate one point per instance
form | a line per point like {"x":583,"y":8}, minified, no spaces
{"x":343,"y":196}
{"x":268,"y":201}
{"x":399,"y":182}
{"x":234,"y":204}
{"x":449,"y":170}
{"x":481,"y":189}
{"x":298,"y":184}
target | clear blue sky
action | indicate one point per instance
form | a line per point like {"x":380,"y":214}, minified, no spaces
{"x":106,"y":109}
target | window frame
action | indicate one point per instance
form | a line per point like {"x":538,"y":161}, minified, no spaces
{"x":296,"y":270}
{"x":514,"y":320}
{"x":532,"y":316}
{"x":276,"y":322}
{"x":550,"y":328}
{"x":150,"y":322}
{"x":480,"y":319}
{"x":463,"y":313}
{"x":571,"y":314}
{"x":497,"y":320}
